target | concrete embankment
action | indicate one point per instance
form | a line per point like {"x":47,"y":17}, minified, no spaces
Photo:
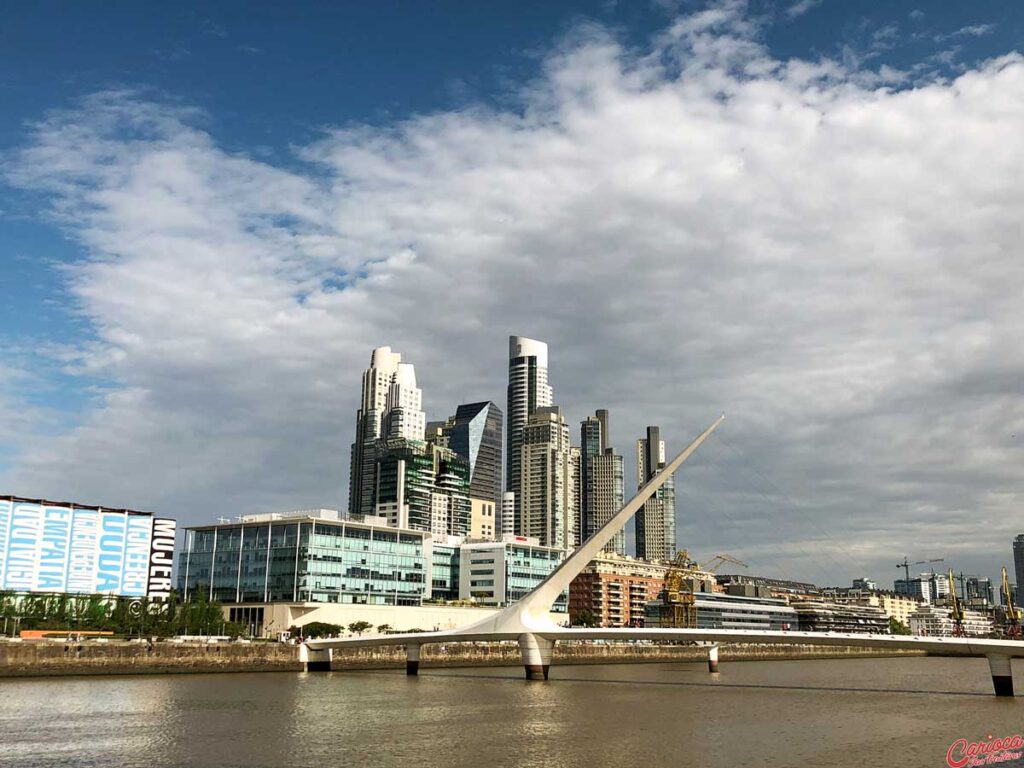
{"x":48,"y":658}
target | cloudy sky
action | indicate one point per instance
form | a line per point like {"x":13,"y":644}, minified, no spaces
{"x":805,"y":214}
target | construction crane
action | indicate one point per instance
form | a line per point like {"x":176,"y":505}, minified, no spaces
{"x":678,"y":608}
{"x":956,"y":610}
{"x":905,"y":565}
{"x":1013,"y":613}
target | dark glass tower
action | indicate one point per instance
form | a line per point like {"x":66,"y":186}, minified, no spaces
{"x":1018,"y":567}
{"x":475,"y":434}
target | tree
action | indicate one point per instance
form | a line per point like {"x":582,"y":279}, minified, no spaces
{"x":320,"y":629}
{"x":384,"y":629}
{"x":897,"y":627}
{"x":586,"y":619}
{"x":358,"y":627}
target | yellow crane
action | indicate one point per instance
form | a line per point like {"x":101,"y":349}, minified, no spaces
{"x":1012,"y":611}
{"x":678,"y":607}
{"x":955,"y":608}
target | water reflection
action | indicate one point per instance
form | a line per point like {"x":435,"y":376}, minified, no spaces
{"x":822,"y":713}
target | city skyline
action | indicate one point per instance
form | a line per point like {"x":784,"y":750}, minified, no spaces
{"x":801,"y":219}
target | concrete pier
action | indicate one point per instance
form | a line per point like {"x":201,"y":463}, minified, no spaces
{"x":412,"y":659}
{"x":1002,"y":674}
{"x":713,"y":659}
{"x":536,"y":652}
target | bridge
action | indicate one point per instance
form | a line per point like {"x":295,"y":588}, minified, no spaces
{"x":528,"y":622}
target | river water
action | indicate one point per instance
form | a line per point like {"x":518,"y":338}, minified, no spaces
{"x":850,"y":712}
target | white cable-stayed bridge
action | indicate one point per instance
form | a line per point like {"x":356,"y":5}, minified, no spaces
{"x":528,"y":621}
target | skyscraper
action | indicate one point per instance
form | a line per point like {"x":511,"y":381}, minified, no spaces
{"x":422,"y":486}
{"x":1018,"y":567}
{"x":601,"y":483}
{"x":656,"y":521}
{"x":547,"y":498}
{"x":391,"y":406}
{"x":528,"y":390}
{"x":474,"y":433}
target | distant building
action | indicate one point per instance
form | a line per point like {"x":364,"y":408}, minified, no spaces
{"x":549,"y":478}
{"x":613,"y":590}
{"x":498,"y":573}
{"x":775,"y":587}
{"x":979,"y":593}
{"x":865,"y":583}
{"x":602,"y":482}
{"x":656,"y":521}
{"x":893,"y":605}
{"x":937,"y":621}
{"x":391,"y":407}
{"x":827,"y":616}
{"x":1018,"y":564}
{"x":929,"y":587}
{"x":67,"y":548}
{"x":422,"y":487}
{"x":528,"y":390}
{"x":716,"y":610}
{"x":508,"y":515}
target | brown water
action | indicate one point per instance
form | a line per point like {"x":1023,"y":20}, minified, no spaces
{"x":851,"y":712}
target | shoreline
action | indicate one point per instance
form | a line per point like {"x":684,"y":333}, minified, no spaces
{"x":58,"y":659}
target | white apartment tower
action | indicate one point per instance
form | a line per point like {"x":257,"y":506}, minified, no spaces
{"x":549,"y":481}
{"x":528,"y":390}
{"x":391,"y":406}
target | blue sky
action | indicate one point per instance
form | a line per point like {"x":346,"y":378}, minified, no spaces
{"x":271,"y":76}
{"x":373,"y":125}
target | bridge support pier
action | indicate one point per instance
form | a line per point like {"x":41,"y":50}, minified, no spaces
{"x":412,"y":659}
{"x":315,"y":661}
{"x":713,"y":659}
{"x":1002,"y":675}
{"x":536,"y":651}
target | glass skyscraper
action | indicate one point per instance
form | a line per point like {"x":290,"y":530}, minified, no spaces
{"x":474,"y":432}
{"x":1018,"y":566}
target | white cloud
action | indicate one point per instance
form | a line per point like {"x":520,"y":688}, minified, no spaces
{"x":801,"y":7}
{"x":696,"y":228}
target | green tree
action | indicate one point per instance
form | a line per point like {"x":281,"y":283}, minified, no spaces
{"x":384,"y":629}
{"x":320,"y":629}
{"x":897,"y":627}
{"x":358,"y":627}
{"x":585,"y":619}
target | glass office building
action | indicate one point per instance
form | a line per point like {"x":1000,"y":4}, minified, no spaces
{"x":308,"y":556}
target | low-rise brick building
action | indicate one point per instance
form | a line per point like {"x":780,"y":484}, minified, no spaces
{"x":613,"y":591}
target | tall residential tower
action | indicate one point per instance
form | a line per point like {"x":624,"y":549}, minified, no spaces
{"x":528,"y":390}
{"x":548,"y":485}
{"x":601,"y":481}
{"x":656,"y":521}
{"x":391,"y":407}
